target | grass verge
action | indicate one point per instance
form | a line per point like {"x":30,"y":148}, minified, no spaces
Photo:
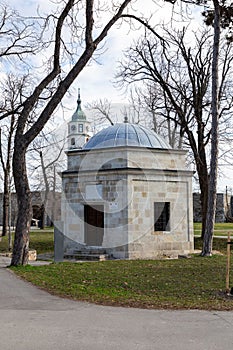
{"x":41,"y":240}
{"x":196,"y":283}
{"x":220,"y":229}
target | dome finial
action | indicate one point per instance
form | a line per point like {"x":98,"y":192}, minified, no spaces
{"x":126,"y":119}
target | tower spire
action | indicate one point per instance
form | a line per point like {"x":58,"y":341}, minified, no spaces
{"x":78,"y":114}
{"x":79,"y":127}
{"x":79,"y":100}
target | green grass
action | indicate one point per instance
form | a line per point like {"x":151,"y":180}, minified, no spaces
{"x":41,"y":240}
{"x":219,"y":244}
{"x":195,"y":283}
{"x":220,"y":229}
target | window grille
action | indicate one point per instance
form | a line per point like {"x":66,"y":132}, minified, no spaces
{"x":162,"y":216}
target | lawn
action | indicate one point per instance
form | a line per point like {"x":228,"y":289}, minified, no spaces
{"x":41,"y":240}
{"x":195,"y":283}
{"x":220,"y":229}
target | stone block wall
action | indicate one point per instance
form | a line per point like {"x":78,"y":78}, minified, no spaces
{"x":144,"y":242}
{"x":127,"y":182}
{"x":222,"y":206}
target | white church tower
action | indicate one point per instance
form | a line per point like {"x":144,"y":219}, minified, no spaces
{"x":79,"y":129}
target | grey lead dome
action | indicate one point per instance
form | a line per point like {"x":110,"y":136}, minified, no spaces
{"x":126,"y":134}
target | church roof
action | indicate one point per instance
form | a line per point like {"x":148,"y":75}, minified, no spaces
{"x":78,"y":115}
{"x":126,"y":134}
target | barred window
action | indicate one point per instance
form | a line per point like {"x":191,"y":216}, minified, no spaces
{"x":162,"y":216}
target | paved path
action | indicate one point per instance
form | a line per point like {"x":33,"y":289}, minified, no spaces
{"x":31,"y":319}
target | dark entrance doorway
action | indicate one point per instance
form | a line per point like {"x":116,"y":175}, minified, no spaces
{"x":38,"y":216}
{"x":94,"y":225}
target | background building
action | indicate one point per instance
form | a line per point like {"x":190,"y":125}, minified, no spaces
{"x":47,"y":212}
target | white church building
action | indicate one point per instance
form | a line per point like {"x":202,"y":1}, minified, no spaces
{"x":126,"y":193}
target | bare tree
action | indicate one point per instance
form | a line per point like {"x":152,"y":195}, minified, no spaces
{"x":102,"y":110}
{"x":6,"y":166}
{"x":221,"y":15}
{"x":18,"y":38}
{"x":12,"y":89}
{"x":153,"y":110}
{"x":180,"y":76}
{"x":18,"y":35}
{"x":212,"y":194}
{"x":142,"y":108}
{"x":46,"y":161}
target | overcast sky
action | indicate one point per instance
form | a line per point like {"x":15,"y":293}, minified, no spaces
{"x":96,"y":80}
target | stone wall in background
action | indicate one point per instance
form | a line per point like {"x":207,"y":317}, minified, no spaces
{"x":223,"y":207}
{"x":51,"y":210}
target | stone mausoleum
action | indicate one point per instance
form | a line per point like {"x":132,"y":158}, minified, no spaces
{"x":126,"y":193}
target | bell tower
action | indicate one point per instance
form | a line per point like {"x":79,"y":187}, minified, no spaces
{"x":79,"y":129}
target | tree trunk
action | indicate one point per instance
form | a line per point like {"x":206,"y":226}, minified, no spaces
{"x":204,"y":206}
{"x":7,"y":171}
{"x":53,"y":196}
{"x":45,"y":200}
{"x":5,"y":205}
{"x":212,"y":195}
{"x":203,"y":177}
{"x":204,"y":184}
{"x":9,"y":223}
{"x":21,"y":241}
{"x":202,"y":171}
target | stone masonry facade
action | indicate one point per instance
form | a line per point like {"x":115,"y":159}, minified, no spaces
{"x":127,"y":181}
